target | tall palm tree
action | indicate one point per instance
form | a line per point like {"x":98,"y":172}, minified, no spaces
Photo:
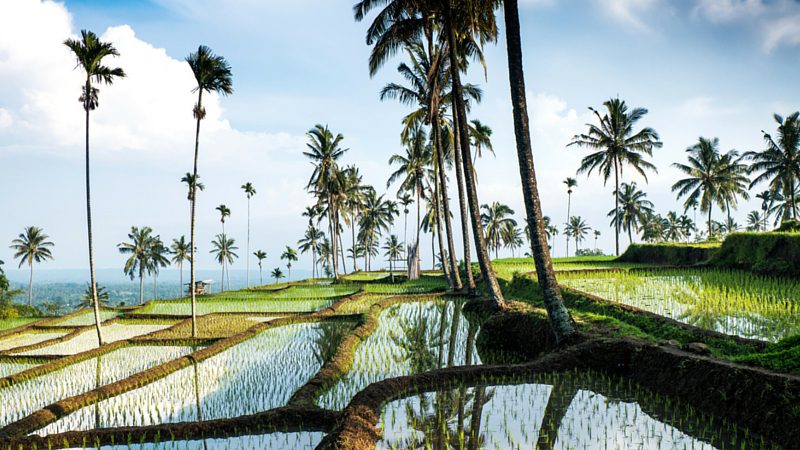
{"x":673,"y":230}
{"x":310,"y":242}
{"x":735,"y":180}
{"x":705,"y":177}
{"x":212,"y":74}
{"x":511,"y":235}
{"x":596,"y":235}
{"x":224,"y":251}
{"x":493,"y":219}
{"x":327,"y":180}
{"x":180,"y":253}
{"x":138,"y":248}
{"x":394,"y":250}
{"x":189,"y":179}
{"x":260,"y":256}
{"x":577,"y":229}
{"x":571,"y":183}
{"x":405,"y":200}
{"x":290,"y":256}
{"x":89,"y":52}
{"x":754,"y":221}
{"x":32,"y":246}
{"x":481,"y":138}
{"x":616,"y":144}
{"x":224,"y":213}
{"x":413,"y":170}
{"x":633,"y":207}
{"x":277,"y":274}
{"x":779,"y":163}
{"x":249,"y":191}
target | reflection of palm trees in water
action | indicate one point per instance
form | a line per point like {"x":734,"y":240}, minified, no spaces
{"x":197,"y":392}
{"x":98,"y":381}
{"x":416,"y":345}
{"x":327,"y":340}
{"x":558,"y":402}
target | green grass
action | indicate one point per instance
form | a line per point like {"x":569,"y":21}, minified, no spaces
{"x":7,"y":324}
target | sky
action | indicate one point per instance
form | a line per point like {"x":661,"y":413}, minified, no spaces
{"x":714,"y":68}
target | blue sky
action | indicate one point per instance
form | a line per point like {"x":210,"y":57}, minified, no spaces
{"x":702,"y":67}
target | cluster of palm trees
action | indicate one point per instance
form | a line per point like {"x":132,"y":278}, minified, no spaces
{"x":440,"y":38}
{"x":712,"y":177}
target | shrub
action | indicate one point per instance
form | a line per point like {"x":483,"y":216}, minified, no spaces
{"x":774,"y":253}
{"x":589,"y":252}
{"x":677,"y":254}
{"x":789,"y":226}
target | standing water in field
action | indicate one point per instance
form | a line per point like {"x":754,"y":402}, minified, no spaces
{"x":256,"y":375}
{"x":557,"y":411}
{"x":731,"y":302}
{"x":411,"y":338}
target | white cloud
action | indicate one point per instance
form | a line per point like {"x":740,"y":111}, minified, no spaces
{"x":5,"y":118}
{"x":706,"y":107}
{"x":777,"y":22}
{"x":728,"y":10}
{"x":629,"y":12}
{"x":784,"y":31}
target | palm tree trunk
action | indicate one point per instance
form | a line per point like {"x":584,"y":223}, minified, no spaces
{"x":489,"y":279}
{"x":180,"y":288}
{"x":222,"y":279}
{"x":353,"y":236}
{"x":616,"y":207}
{"x":331,"y":224}
{"x":557,"y":313}
{"x":457,"y":285}
{"x":341,"y":251}
{"x":569,"y":206}
{"x":438,"y":205}
{"x":141,"y":286}
{"x":462,"y":206}
{"x":709,"y":220}
{"x":192,"y":278}
{"x":92,"y":280}
{"x":248,"y":242}
{"x":30,"y":284}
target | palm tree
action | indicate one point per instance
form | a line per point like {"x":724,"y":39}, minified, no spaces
{"x":779,"y":163}
{"x":310,"y":242}
{"x":766,"y":198}
{"x":633,"y":206}
{"x":687,"y":226}
{"x":405,"y":200}
{"x":754,"y":221}
{"x":188,"y":179}
{"x":596,"y":235}
{"x":224,"y":251}
{"x":277,"y":274}
{"x":570,"y":183}
{"x":86,"y":298}
{"x":139,"y":250}
{"x":376,"y":218}
{"x":734,"y":180}
{"x":180,"y":253}
{"x":493,"y":219}
{"x":481,"y":137}
{"x":224,"y":213}
{"x":260,"y":256}
{"x":249,"y":191}
{"x":290,"y":255}
{"x":89,"y":52}
{"x":511,"y":236}
{"x":394,"y":250}
{"x":577,"y":229}
{"x":156,"y":260}
{"x":673,"y":230}
{"x":704,"y":183}
{"x":616,"y":145}
{"x":327,"y":181}
{"x":32,"y":246}
{"x":413,"y":171}
{"x":213,"y":74}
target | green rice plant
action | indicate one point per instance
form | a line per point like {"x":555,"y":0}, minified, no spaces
{"x":575,"y":410}
{"x":369,"y":276}
{"x":421,"y":286}
{"x":7,"y":324}
{"x":183,"y":308}
{"x":728,"y":301}
{"x":28,"y":337}
{"x":21,"y":399}
{"x":87,"y":340}
{"x":256,"y":375}
{"x":410,"y":338}
{"x":359,"y":304}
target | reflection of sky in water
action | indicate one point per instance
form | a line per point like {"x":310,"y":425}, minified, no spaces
{"x":256,"y":375}
{"x":272,"y":441}
{"x":512,"y":417}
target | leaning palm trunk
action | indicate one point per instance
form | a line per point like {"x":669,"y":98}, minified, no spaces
{"x":457,"y":285}
{"x":333,"y":223}
{"x":557,"y":313}
{"x":442,"y":255}
{"x":92,"y":280}
{"x":192,"y":279}
{"x":489,"y":279}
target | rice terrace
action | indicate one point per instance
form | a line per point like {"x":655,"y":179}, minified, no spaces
{"x":380,"y":232}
